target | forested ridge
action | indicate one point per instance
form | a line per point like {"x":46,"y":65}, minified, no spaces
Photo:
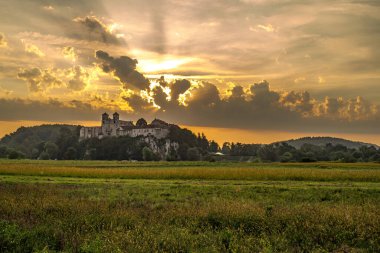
{"x":61,"y":142}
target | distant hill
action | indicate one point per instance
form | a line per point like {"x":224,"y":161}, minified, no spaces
{"x":62,"y":142}
{"x":322,"y":141}
{"x":26,"y":139}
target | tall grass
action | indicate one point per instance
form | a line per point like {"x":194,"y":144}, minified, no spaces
{"x":188,"y":207}
{"x":179,"y":164}
{"x":199,"y":172}
{"x":76,"y":218}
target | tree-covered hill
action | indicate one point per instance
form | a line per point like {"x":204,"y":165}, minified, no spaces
{"x":62,"y":142}
{"x":31,"y":141}
{"x":323,"y":141}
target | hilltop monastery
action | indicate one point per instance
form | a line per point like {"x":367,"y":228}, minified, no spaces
{"x":117,"y":127}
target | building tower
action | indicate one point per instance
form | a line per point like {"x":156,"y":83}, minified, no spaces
{"x":105,"y":118}
{"x":116,"y":119}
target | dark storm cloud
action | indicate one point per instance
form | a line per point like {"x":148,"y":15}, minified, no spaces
{"x":237,"y":92}
{"x":261,"y":108}
{"x":35,"y":15}
{"x":299,"y":101}
{"x":179,"y":87}
{"x":96,"y":30}
{"x":124,"y":68}
{"x":139,"y":104}
{"x":205,"y":96}
{"x":262,"y":95}
{"x":160,"y":97}
{"x":256,"y":109}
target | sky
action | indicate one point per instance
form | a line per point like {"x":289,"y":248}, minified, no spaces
{"x":253,"y":71}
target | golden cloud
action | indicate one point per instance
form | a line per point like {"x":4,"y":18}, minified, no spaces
{"x":3,"y":42}
{"x":69,"y":53}
{"x":33,"y":49}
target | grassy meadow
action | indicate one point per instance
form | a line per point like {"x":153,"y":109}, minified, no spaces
{"x":98,"y":206}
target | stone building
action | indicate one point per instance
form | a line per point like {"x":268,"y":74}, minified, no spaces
{"x":116,"y":127}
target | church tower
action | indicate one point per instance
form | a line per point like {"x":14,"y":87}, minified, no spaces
{"x":116,"y":120}
{"x":105,"y":118}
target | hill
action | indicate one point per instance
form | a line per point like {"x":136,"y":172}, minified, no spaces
{"x":322,"y":141}
{"x":62,"y":142}
{"x":30,"y":140}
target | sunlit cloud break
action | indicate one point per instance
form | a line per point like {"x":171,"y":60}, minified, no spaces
{"x":179,"y":62}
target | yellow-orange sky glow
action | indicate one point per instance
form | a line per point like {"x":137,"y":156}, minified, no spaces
{"x":277,"y":69}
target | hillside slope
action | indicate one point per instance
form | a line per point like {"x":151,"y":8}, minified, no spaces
{"x":322,"y":141}
{"x":26,"y":139}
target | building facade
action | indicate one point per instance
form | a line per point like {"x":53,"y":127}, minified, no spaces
{"x":116,"y":127}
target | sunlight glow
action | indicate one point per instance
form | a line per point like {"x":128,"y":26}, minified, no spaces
{"x":149,"y":66}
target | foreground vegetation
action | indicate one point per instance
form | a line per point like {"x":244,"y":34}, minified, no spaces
{"x":369,"y":172}
{"x":188,"y":207}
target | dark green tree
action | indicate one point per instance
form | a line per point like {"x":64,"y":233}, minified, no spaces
{"x":214,"y":147}
{"x":182,"y":151}
{"x":3,"y":152}
{"x":52,"y":149}
{"x":193,"y":154}
{"x":70,"y":154}
{"x":147,"y":154}
{"x":44,"y":156}
{"x":267,"y":153}
{"x":226,"y":149}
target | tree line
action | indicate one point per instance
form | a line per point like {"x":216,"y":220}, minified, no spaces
{"x":283,"y":152}
{"x":61,"y":142}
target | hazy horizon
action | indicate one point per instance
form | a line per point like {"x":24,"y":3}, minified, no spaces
{"x":220,"y":135}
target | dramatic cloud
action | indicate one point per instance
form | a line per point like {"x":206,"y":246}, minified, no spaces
{"x":76,"y":78}
{"x":123,"y":68}
{"x":351,"y":109}
{"x":320,"y":58}
{"x":298,"y":101}
{"x":237,"y":92}
{"x":80,"y":79}
{"x":179,"y":87}
{"x":262,"y":95}
{"x":39,"y":80}
{"x":139,"y":104}
{"x":95,"y":30}
{"x":257,"y":108}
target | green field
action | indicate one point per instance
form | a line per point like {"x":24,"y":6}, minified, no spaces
{"x":97,"y":206}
